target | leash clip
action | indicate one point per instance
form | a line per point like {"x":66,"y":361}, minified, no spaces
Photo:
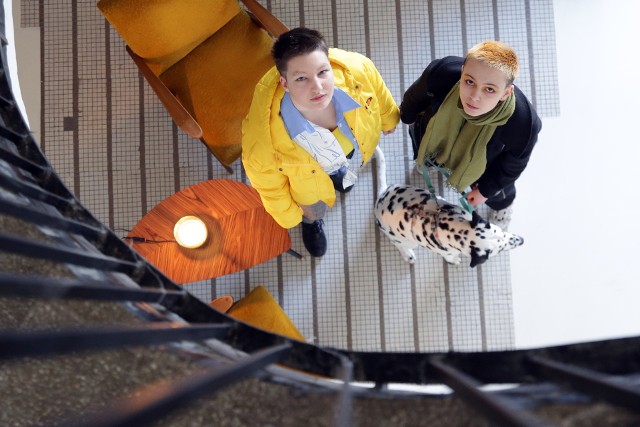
{"x":464,"y":203}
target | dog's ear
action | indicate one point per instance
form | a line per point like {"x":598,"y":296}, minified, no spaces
{"x":475,"y":218}
{"x":479,"y":259}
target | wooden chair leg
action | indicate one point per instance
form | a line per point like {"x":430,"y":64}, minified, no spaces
{"x":229,"y":169}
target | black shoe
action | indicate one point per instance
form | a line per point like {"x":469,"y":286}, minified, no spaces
{"x":314,"y":239}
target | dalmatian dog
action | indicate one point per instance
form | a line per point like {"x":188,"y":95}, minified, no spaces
{"x":412,"y":217}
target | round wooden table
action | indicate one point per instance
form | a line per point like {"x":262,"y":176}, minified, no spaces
{"x":241,"y":234}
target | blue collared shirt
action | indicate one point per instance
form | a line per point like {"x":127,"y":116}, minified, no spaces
{"x":296,"y":123}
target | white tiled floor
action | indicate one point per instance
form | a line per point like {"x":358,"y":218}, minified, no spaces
{"x":360,"y":295}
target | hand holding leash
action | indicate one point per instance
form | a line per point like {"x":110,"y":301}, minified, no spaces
{"x":475,"y":197}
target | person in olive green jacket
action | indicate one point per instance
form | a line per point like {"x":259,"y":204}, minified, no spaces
{"x":315,"y":119}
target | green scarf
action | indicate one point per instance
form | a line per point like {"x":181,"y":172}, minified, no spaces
{"x":458,"y":141}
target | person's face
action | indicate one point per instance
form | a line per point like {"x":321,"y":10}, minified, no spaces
{"x":482,"y":87}
{"x":309,"y":81}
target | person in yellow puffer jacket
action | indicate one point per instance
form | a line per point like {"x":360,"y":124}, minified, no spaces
{"x":315,"y":119}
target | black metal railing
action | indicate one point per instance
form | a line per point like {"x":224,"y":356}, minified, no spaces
{"x":31,"y":192}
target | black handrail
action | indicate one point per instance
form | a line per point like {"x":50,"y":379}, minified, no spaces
{"x":500,"y":410}
{"x":45,"y":343}
{"x":158,"y":400}
{"x":29,"y":248}
{"x":587,"y":381}
{"x":49,"y":288}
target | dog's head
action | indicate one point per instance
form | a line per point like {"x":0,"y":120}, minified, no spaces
{"x":489,"y":240}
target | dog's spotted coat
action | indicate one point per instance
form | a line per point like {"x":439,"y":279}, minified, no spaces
{"x":412,"y":217}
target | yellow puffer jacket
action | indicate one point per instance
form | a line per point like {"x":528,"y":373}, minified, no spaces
{"x":284,"y":173}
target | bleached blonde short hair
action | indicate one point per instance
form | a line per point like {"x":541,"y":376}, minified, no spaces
{"x":496,"y":55}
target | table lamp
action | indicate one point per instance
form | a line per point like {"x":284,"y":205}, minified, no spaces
{"x":190,"y":232}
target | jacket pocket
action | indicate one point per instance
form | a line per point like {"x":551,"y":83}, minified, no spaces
{"x":303,"y":182}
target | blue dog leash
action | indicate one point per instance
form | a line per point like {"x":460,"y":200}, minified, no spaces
{"x":425,"y":174}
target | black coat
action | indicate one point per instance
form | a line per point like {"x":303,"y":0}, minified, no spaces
{"x":510,"y":147}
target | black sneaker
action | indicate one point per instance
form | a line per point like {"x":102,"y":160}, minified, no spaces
{"x":314,"y":239}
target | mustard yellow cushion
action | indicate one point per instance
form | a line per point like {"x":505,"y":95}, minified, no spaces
{"x":164,"y":31}
{"x":258,"y":308}
{"x":215,"y":82}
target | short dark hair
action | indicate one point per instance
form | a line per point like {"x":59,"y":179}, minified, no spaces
{"x":296,"y":42}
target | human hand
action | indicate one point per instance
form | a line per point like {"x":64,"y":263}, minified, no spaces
{"x":475,"y":197}
{"x":387,"y":132}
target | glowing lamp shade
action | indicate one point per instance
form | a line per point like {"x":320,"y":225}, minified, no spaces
{"x":190,"y":232}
